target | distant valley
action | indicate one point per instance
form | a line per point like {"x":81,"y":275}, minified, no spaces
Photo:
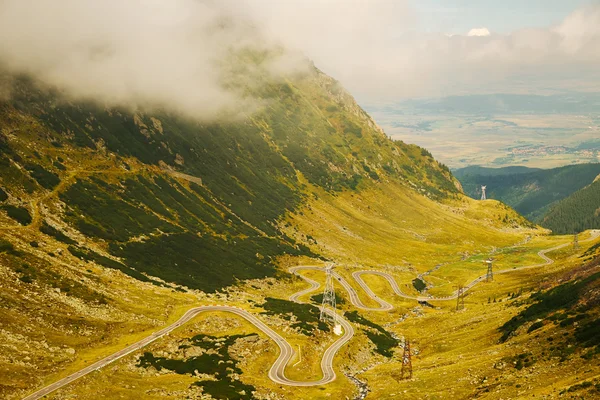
{"x":499,"y":130}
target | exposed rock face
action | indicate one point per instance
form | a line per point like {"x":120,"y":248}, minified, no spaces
{"x":157,"y":125}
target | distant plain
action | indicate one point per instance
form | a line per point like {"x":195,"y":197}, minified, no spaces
{"x":498,"y":130}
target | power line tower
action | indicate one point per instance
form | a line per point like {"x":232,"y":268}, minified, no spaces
{"x":407,"y":370}
{"x":490,"y":273}
{"x":460,"y":298}
{"x":483,"y":196}
{"x":328,"y":314}
{"x":576,"y":242}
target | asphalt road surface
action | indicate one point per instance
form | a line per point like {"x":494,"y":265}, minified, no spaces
{"x":276,"y":373}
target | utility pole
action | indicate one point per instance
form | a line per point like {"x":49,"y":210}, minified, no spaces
{"x":460,"y":298}
{"x":407,"y":370}
{"x":576,"y":241}
{"x":328,"y":314}
{"x":483,"y":197}
{"x":490,"y":273}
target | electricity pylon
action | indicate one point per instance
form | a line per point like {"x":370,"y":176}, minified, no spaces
{"x":328,"y":314}
{"x":490,"y":273}
{"x":460,"y":298}
{"x":483,"y":197}
{"x":576,"y":241}
{"x":407,"y":370}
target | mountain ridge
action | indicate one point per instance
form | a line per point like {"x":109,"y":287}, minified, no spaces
{"x":576,"y":213}
{"x":532,"y":193}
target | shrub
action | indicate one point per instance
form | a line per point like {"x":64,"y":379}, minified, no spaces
{"x":352,"y":128}
{"x":20,"y":214}
{"x":6,"y":246}
{"x":307,"y":315}
{"x":535,"y":326}
{"x":45,"y":178}
{"x":55,"y":233}
{"x":218,"y":363}
{"x":382,"y":339}
{"x":419,"y":284}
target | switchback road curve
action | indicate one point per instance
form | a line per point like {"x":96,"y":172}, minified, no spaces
{"x":277,"y":371}
{"x":385,"y":306}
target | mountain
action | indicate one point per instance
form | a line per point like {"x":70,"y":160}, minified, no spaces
{"x":115,"y":221}
{"x":530,"y":192}
{"x":564,"y":315}
{"x":150,"y":185}
{"x":576,"y":213}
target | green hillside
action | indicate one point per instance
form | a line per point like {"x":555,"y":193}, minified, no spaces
{"x":570,"y":306}
{"x":114,"y":222}
{"x":576,"y":213}
{"x":189,"y":202}
{"x":531,"y":193}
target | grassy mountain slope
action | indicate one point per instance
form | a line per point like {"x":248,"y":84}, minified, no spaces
{"x":114,"y":222}
{"x":395,"y":226}
{"x":576,"y":213}
{"x":104,"y":213}
{"x":530,"y":193}
{"x":538,"y":362}
{"x":150,"y":186}
{"x":563,"y":305}
{"x":462,"y":345}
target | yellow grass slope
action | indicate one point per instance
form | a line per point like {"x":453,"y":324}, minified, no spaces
{"x":394,"y":225}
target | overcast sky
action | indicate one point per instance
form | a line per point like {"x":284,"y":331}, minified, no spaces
{"x":168,"y":52}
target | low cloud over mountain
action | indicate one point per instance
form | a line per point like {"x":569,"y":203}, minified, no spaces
{"x":170,"y":53}
{"x":139,"y":53}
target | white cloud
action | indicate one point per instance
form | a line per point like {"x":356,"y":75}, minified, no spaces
{"x":166,"y":52}
{"x":148,"y":53}
{"x":373,"y":48}
{"x":479,"y":32}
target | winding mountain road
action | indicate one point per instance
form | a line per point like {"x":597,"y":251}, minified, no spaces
{"x":385,"y":306}
{"x":354,"y":299}
{"x":277,"y":371}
